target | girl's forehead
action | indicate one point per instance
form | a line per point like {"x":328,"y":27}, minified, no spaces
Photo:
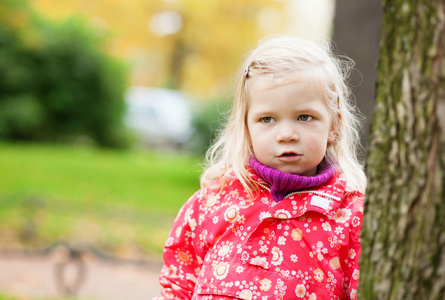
{"x":271,"y":88}
{"x":263,"y":83}
{"x":318,"y":77}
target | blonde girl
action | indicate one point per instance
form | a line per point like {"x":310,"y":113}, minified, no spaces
{"x":283,"y":59}
{"x":280,"y":209}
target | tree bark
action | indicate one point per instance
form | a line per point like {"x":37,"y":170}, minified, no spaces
{"x":403,"y":236}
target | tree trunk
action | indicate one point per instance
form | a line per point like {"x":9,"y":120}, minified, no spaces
{"x":403,"y":236}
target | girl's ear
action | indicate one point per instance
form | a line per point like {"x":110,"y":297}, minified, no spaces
{"x":331,"y":136}
{"x":332,"y":133}
{"x":335,"y":124}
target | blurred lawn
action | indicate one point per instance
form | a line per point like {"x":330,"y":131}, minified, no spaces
{"x":123,"y":202}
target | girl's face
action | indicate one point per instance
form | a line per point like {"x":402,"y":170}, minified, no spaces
{"x":289,"y":125}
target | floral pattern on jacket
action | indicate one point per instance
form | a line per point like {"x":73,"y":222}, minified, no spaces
{"x":224,"y":245}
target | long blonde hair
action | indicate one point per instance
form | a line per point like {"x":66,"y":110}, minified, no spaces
{"x":283,"y":58}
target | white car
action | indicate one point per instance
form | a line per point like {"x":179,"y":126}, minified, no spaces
{"x":159,"y":117}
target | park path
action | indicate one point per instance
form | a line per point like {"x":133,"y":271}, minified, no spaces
{"x":30,"y":277}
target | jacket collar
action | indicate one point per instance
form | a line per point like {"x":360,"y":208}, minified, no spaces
{"x":325,"y":198}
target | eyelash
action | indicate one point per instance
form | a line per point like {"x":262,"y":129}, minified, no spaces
{"x":309,"y":118}
{"x":263,"y":120}
{"x":270,"y":119}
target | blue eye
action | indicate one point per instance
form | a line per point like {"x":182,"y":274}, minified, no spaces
{"x":305,"y":118}
{"x":266,"y":120}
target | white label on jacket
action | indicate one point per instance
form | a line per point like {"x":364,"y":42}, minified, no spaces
{"x":320,"y":202}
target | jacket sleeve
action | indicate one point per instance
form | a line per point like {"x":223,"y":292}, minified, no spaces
{"x":182,"y":260}
{"x":353,"y":271}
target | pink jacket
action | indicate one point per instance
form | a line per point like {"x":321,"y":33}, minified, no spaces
{"x":224,"y":245}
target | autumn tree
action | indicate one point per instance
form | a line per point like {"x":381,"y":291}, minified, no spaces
{"x":191,"y":45}
{"x":403,"y":234}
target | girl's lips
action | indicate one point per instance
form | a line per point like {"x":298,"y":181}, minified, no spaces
{"x":289,"y":157}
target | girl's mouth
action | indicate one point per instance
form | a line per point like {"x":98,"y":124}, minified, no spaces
{"x":288,"y":154}
{"x":289,"y":157}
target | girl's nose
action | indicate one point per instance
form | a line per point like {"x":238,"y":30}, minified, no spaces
{"x":287,"y":133}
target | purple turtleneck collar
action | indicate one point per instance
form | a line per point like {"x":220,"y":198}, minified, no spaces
{"x":283,"y":183}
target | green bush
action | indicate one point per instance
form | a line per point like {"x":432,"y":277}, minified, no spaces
{"x":57,"y":84}
{"x":207,"y":121}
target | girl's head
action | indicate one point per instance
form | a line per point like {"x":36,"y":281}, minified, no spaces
{"x":289,"y":125}
{"x":289,"y":92}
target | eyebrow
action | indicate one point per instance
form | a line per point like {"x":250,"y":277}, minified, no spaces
{"x":310,"y":111}
{"x":303,"y":111}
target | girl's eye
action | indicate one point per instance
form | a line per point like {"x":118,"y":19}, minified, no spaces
{"x":305,"y":118}
{"x":267,"y":120}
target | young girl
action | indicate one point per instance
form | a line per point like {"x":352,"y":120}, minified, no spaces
{"x":280,"y":209}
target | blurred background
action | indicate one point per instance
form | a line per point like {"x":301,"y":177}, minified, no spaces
{"x":106,"y":110}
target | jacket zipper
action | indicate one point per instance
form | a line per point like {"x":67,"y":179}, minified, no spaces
{"x":305,"y":192}
{"x":316,"y":193}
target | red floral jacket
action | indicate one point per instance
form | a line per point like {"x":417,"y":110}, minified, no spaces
{"x":225,"y":245}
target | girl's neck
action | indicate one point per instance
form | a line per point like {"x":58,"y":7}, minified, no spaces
{"x":283,"y":183}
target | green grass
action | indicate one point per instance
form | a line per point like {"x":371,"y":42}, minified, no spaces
{"x":117,"y":200}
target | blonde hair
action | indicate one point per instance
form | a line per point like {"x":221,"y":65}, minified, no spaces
{"x":284,"y":59}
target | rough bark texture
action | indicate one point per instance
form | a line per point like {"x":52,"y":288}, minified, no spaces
{"x":403,"y":235}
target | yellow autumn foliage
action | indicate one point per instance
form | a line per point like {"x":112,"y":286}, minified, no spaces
{"x":200,"y":57}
